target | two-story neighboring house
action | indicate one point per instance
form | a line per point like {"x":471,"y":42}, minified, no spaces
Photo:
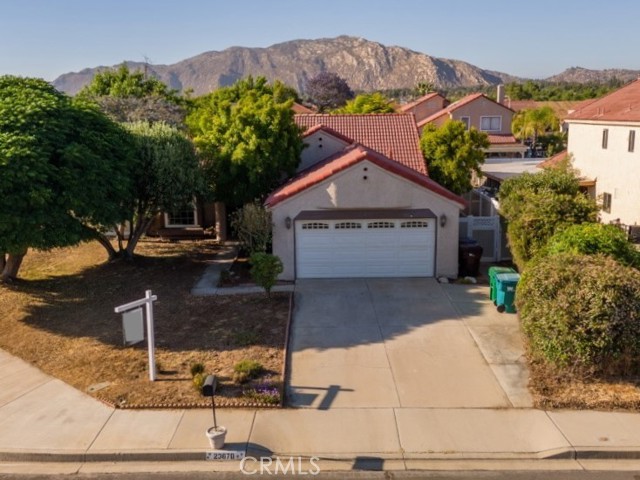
{"x":479,"y":111}
{"x":425,"y":106}
{"x":602,"y":144}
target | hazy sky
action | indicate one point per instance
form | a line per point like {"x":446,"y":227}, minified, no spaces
{"x":46,"y":38}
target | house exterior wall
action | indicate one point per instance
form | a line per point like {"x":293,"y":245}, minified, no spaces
{"x":319,"y":145}
{"x":483,"y":107}
{"x":615,"y":169}
{"x":381,"y":189}
{"x":428,"y":107}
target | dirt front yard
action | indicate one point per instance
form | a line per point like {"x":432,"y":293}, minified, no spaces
{"x":60,"y":317}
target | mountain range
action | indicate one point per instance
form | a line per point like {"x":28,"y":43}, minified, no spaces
{"x":366,"y":66}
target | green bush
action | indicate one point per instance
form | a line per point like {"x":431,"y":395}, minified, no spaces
{"x":196,"y":368}
{"x":537,"y":205}
{"x":252,"y":224}
{"x":198,"y":381}
{"x":245,"y":370}
{"x":265,"y":269}
{"x":592,"y":239}
{"x":581,"y":313}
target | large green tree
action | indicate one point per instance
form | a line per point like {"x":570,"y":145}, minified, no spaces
{"x":166,"y":176}
{"x":537,"y":205}
{"x":367,"y":103}
{"x":453,"y":154}
{"x":131,"y":96}
{"x":248,"y":139}
{"x":64,"y":168}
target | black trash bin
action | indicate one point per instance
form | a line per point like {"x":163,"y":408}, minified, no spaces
{"x":469,"y":255}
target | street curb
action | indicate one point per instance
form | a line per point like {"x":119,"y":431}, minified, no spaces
{"x":631,"y":453}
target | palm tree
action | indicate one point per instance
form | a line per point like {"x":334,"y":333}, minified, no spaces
{"x":534,"y":122}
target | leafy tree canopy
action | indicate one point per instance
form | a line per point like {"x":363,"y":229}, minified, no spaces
{"x":367,"y":103}
{"x":537,"y":205}
{"x":128,"y":96}
{"x":541,"y":90}
{"x":64,"y":167}
{"x":248,"y":138}
{"x":328,"y":91}
{"x":453,"y":153}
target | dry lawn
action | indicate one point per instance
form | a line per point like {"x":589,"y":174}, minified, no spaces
{"x":60,"y":317}
{"x":551,"y":389}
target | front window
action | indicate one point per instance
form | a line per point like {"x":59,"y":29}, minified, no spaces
{"x":605,"y":138}
{"x":491,"y":124}
{"x":632,"y":140}
{"x":606,"y":202}
{"x":466,"y":121}
{"x":184,"y":217}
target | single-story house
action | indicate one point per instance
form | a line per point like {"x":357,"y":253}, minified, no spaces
{"x":362,"y":204}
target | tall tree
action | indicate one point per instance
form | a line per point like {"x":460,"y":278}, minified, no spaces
{"x":530,"y":124}
{"x":367,"y":103}
{"x":64,"y":169}
{"x":538,"y":205}
{"x":128,"y":96}
{"x":453,"y":153}
{"x":328,"y":91}
{"x":166,"y":177}
{"x":248,"y":139}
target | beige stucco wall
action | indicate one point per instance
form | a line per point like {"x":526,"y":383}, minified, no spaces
{"x":481,"y":107}
{"x":318,"y":146}
{"x":615,"y":169}
{"x":381,"y":189}
{"x":427,"y":108}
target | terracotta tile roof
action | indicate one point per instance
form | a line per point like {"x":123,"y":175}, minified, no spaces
{"x":408,"y":106}
{"x":553,"y":161}
{"x":455,"y":105}
{"x":622,"y":105}
{"x":503,"y":139}
{"x":330,"y":131}
{"x":350,"y":156}
{"x":394,"y":135}
{"x":298,"y":108}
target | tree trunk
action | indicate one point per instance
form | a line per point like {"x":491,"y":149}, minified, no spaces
{"x":104,"y":241}
{"x":141,"y":226}
{"x":221,"y":221}
{"x":3,"y":261}
{"x":11,"y":266}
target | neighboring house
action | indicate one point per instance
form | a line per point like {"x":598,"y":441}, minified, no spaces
{"x":602,"y":144}
{"x":299,"y":108}
{"x":479,"y":111}
{"x":197,"y":221}
{"x":425,"y":106}
{"x":362,"y":204}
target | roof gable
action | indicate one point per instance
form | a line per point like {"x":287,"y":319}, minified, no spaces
{"x":394,"y":135}
{"x":622,"y":105}
{"x":351,"y":156}
{"x":425,"y":98}
{"x":459,"y":104}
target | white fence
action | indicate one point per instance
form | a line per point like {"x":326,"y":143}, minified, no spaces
{"x":489,"y":233}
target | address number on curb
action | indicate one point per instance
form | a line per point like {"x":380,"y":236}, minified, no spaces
{"x":221,"y":455}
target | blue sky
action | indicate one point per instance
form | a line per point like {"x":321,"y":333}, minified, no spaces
{"x":46,"y":38}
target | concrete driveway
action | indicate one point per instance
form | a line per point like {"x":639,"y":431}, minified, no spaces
{"x":403,"y":343}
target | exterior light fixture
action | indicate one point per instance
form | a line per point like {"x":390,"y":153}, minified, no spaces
{"x":287,"y":223}
{"x":443,"y":220}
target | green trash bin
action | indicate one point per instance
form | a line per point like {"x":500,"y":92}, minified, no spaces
{"x":493,"y":271}
{"x":506,"y":291}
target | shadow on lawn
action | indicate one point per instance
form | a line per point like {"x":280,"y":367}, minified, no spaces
{"x":82,"y":305}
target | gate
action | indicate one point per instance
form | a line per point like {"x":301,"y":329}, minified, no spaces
{"x":490,"y":235}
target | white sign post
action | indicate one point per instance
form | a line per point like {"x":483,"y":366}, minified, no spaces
{"x":147,"y":301}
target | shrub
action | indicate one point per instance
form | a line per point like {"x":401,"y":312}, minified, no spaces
{"x":267,"y":393}
{"x":592,"y":239}
{"x":198,"y":381}
{"x":252,"y":224}
{"x":265,"y":270}
{"x":245,"y":370}
{"x":538,"y":205}
{"x":582,"y":313}
{"x":196,"y":368}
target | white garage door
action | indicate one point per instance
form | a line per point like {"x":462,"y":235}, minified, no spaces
{"x":365,"y":248}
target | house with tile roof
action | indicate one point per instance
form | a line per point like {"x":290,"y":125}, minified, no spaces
{"x":602,"y":144}
{"x":425,"y":106}
{"x":481,"y":112}
{"x":362,"y":203}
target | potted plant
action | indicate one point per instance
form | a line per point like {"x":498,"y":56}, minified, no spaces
{"x":217,"y":433}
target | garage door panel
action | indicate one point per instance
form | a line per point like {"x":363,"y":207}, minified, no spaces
{"x":386,"y":250}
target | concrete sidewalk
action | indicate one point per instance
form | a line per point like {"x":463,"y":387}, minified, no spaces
{"x":44,"y":420}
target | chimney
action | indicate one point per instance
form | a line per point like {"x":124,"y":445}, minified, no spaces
{"x":500,"y":95}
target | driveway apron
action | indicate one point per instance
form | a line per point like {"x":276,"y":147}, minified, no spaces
{"x":367,"y":343}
